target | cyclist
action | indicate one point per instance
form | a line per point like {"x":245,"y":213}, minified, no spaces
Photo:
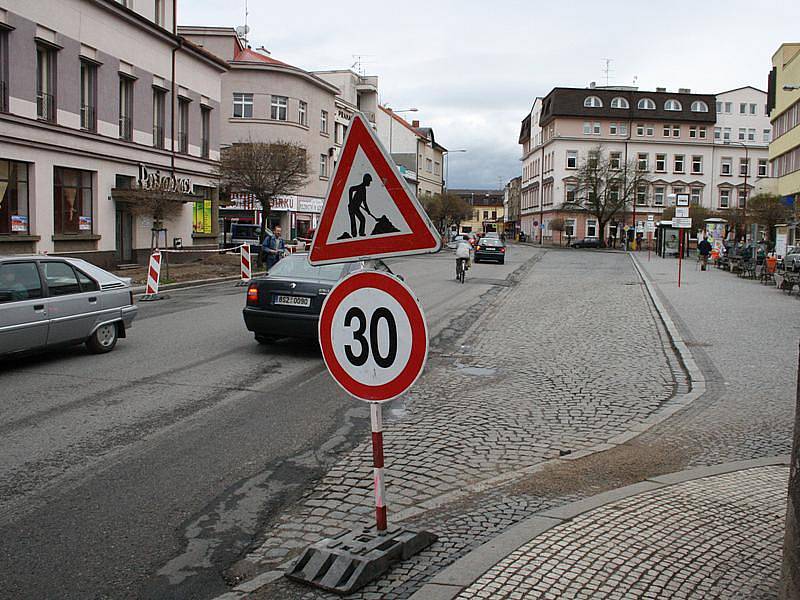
{"x":463,"y":255}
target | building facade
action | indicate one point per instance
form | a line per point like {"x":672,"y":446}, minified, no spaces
{"x":712,"y":147}
{"x":488,"y":210}
{"x":784,"y":107}
{"x":104,"y":110}
{"x":512,"y":195}
{"x":266,"y":100}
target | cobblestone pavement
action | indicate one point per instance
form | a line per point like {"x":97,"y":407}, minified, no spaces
{"x":744,"y":337}
{"x":716,"y":537}
{"x":544,"y":371}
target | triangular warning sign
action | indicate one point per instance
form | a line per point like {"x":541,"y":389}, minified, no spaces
{"x":369,"y":211}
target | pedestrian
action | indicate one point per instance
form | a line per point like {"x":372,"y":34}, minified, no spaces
{"x":704,"y":249}
{"x":273,"y":247}
{"x":503,"y":237}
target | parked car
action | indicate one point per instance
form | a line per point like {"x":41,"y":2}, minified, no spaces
{"x":586,"y":243}
{"x":791,"y":262}
{"x":49,"y":301}
{"x":287,"y":302}
{"x":490,"y":248}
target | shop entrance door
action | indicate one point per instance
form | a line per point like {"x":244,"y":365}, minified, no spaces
{"x":124,"y":236}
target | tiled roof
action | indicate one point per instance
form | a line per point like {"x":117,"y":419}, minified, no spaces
{"x":250,"y":55}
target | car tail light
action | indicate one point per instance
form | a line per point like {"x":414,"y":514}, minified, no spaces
{"x":502,"y":249}
{"x":477,"y":247}
{"x":252,"y":295}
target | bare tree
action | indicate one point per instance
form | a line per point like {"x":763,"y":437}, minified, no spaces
{"x":159,"y":205}
{"x":265,"y":170}
{"x":446,"y":210}
{"x":558,"y":224}
{"x":605,"y":187}
{"x":768,"y":210}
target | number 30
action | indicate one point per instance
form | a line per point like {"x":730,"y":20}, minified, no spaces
{"x":364,"y":345}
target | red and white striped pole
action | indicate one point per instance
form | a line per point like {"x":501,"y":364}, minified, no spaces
{"x":153,"y":277}
{"x":377,"y":461}
{"x":247,"y":273}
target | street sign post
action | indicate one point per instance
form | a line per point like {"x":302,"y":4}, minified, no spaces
{"x":681,"y":223}
{"x":369,"y":210}
{"x":682,"y":211}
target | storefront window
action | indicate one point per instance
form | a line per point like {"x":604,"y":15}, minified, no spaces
{"x":13,"y":198}
{"x":72,"y":198}
{"x":201,"y":211}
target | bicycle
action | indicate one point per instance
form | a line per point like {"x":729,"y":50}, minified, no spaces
{"x":461,"y":269}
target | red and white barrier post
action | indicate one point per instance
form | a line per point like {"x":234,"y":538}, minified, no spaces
{"x":247,"y":265}
{"x":153,"y":277}
{"x":377,"y":462}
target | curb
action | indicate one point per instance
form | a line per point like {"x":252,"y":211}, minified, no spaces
{"x":179,"y":285}
{"x":450,"y":582}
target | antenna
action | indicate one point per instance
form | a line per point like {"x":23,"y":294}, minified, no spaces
{"x":608,"y":72}
{"x":243,"y":30}
{"x":358,"y":65}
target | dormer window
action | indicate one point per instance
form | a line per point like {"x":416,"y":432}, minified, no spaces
{"x":673,"y":105}
{"x":646,"y":104}
{"x":593,"y":102}
{"x":619,"y":102}
{"x":699,"y":106}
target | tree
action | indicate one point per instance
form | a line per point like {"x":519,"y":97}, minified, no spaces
{"x":158,"y":204}
{"x":446,"y":210}
{"x":265,"y":170}
{"x":768,"y":210}
{"x":558,"y":224}
{"x":605,"y":186}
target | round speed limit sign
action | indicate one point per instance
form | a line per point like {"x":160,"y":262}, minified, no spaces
{"x":373,"y":336}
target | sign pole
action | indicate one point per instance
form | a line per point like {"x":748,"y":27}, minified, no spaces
{"x":680,"y":254}
{"x":377,"y":462}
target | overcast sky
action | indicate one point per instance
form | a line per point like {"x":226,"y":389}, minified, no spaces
{"x":474,"y":67}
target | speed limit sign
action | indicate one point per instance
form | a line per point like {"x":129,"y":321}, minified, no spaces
{"x":373,"y":336}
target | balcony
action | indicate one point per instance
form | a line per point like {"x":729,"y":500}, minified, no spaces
{"x":46,"y":107}
{"x":88,"y":118}
{"x":125,"y":128}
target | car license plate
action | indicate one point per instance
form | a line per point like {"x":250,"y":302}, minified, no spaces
{"x":293,"y":301}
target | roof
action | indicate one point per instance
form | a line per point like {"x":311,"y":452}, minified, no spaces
{"x":744,"y":87}
{"x":480,"y":197}
{"x":250,"y":55}
{"x":247,"y":57}
{"x":403,"y":122}
{"x":525,"y":129}
{"x":568,"y":102}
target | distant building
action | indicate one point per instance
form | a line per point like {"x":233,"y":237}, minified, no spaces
{"x":511,"y":205}
{"x":103,"y":106}
{"x":487,"y":210}
{"x":712,"y":147}
{"x":784,"y":107}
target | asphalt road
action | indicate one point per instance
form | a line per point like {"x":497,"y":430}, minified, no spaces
{"x":147,"y":472}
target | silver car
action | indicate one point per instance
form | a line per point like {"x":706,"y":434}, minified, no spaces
{"x":52,"y":301}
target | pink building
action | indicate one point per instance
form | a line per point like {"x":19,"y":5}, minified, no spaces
{"x":712,"y":147}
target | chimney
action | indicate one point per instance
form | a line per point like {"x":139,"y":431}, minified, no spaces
{"x":592,"y":85}
{"x":415,"y":123}
{"x":660,"y":89}
{"x":684,"y":91}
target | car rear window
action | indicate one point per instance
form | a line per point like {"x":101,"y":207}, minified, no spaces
{"x":19,"y":281}
{"x":491,"y":242}
{"x":298,"y":267}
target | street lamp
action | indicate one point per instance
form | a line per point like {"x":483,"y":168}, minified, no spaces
{"x":447,"y":165}
{"x":391,"y":122}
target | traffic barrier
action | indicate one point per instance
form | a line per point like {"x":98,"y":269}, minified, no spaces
{"x":153,"y":277}
{"x":247,"y":266}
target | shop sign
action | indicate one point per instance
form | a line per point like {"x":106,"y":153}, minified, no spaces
{"x":311,"y":205}
{"x":19,"y":223}
{"x":154,"y":181}
{"x":85,"y":223}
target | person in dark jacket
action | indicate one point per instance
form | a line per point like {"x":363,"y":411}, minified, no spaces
{"x":274,"y":248}
{"x":704,"y":250}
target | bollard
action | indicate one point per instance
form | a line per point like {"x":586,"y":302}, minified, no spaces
{"x":246,"y":265}
{"x":153,"y":277}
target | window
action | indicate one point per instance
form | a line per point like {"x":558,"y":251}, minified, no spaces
{"x":205,"y":131}
{"x":677,"y":189}
{"x":242,"y":106}
{"x":672,"y":105}
{"x":762,"y":167}
{"x":486,"y":214}
{"x":700,"y":106}
{"x":591,"y":228}
{"x":741,"y":194}
{"x":428,"y":165}
{"x":661,"y":163}
{"x":572,"y":159}
{"x":61,"y":279}
{"x":159,"y":110}
{"x":619,"y":102}
{"x":88,"y":96}
{"x":646,"y":104}
{"x":744,"y":166}
{"x":323,"y":122}
{"x":693,"y":132}
{"x":14,"y":198}
{"x":201,"y":210}
{"x":279,"y":108}
{"x":593,"y":102}
{"x":19,"y":281}
{"x":751,"y":135}
{"x":695,"y":195}
{"x":125,"y":108}
{"x":3,"y":70}
{"x":766,"y":136}
{"x":676,"y":131}
{"x":658,"y":195}
{"x":728,"y":107}
{"x":639,"y":129}
{"x":642,"y":161}
{"x":717,"y":133}
{"x":587,"y":128}
{"x":72,"y":200}
{"x":616,"y":160}
{"x":183,"y":126}
{"x":494,"y":214}
{"x":569,"y":224}
{"x":724,"y":198}
{"x":612,"y":129}
{"x":742,"y":108}
{"x":697,"y":165}
{"x":302,"y":113}
{"x":641,"y":195}
{"x":650,"y":130}
{"x":678,"y":163}
{"x":323,"y":165}
{"x":570,"y":194}
{"x":623,"y":128}
{"x":437,"y":168}
{"x":742,"y":133}
{"x":46,"y":83}
{"x":719,"y":107}
{"x":701,"y":131}
{"x":727,"y":166}
{"x":667,"y":130}
{"x":726,"y":134}
{"x":753,"y":108}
